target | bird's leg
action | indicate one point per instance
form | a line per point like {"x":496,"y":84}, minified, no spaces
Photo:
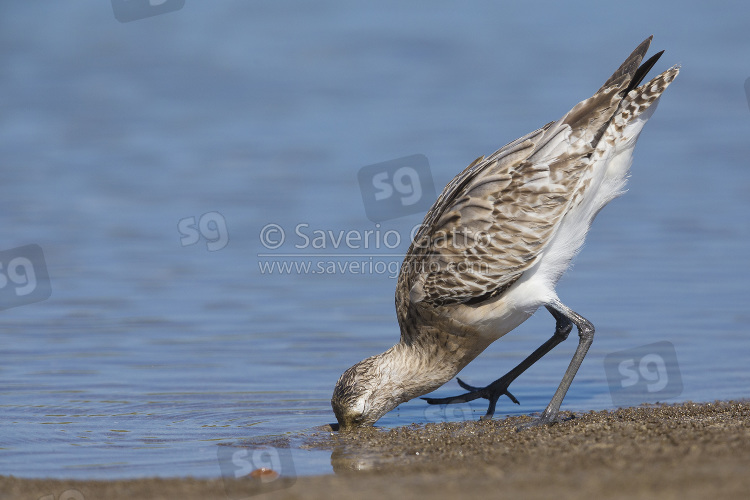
{"x":500,"y":386}
{"x":585,"y":338}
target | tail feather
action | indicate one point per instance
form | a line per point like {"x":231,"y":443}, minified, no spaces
{"x":643,"y":70}
{"x":627,"y":77}
{"x":629,"y":68}
{"x":634,"y":111}
{"x":641,"y":98}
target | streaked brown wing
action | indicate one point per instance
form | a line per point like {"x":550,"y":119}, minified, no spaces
{"x":494,"y":219}
{"x":497,"y":217}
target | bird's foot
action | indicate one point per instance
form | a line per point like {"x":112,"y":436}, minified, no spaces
{"x":492,"y":392}
{"x":544,"y":419}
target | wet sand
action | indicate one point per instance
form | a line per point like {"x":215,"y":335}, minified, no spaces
{"x":683,"y":451}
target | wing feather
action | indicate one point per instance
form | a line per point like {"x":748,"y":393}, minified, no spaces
{"x":493,"y":220}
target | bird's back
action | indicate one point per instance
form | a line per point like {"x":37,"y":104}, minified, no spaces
{"x":531,"y":201}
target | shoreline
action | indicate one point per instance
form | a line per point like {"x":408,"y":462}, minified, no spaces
{"x":688,"y":450}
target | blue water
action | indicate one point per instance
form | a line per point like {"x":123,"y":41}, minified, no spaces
{"x":149,"y":353}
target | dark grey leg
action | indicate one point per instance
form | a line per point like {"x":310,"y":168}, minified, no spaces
{"x":585,"y":338}
{"x":500,"y":386}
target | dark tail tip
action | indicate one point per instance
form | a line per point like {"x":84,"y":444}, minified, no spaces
{"x":629,"y":68}
{"x":642,"y":71}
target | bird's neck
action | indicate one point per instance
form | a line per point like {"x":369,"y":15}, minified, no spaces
{"x":413,"y":369}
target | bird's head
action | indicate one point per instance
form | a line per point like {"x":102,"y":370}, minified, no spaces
{"x":363,"y":394}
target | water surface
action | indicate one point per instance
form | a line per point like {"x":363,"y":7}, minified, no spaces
{"x":149,"y":354}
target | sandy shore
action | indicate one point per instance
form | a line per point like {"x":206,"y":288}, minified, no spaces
{"x":684,"y":451}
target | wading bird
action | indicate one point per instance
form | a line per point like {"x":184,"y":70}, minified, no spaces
{"x":493,"y":246}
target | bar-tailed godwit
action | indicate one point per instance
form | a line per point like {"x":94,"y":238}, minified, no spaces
{"x":493,"y":246}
